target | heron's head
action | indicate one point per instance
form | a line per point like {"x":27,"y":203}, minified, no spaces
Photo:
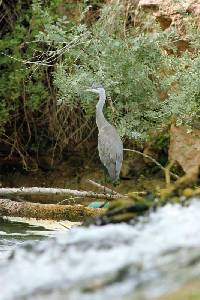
{"x":96,"y":88}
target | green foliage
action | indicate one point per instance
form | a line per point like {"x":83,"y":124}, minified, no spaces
{"x":184,"y":101}
{"x":130,"y":62}
{"x":23,"y":88}
{"x":134,"y":70}
{"x":128,"y":66}
{"x":15,"y":74}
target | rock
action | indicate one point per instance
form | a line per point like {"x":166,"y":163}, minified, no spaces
{"x":164,"y":20}
{"x":194,"y":7}
{"x":182,"y":45}
{"x":185,"y":148}
{"x":150,"y":4}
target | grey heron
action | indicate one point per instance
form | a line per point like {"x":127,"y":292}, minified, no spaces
{"x":110,"y":145}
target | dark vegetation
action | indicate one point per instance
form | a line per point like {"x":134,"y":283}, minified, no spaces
{"x":31,"y":123}
{"x":51,"y":51}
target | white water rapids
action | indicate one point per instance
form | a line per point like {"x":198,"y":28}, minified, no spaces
{"x":159,"y":253}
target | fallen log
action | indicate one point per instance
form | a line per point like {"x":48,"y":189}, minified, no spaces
{"x":48,"y":211}
{"x":55,"y":191}
{"x":50,"y":199}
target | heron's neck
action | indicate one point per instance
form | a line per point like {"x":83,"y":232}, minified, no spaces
{"x":100,"y":119}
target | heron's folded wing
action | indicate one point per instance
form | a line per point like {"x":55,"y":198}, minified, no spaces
{"x":110,"y":154}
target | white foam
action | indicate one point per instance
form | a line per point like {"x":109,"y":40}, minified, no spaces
{"x":152,"y":254}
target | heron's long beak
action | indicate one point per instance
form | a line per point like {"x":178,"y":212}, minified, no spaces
{"x":89,"y":90}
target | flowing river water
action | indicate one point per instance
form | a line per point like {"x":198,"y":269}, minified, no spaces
{"x":141,"y":261}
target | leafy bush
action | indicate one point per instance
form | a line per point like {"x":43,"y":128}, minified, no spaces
{"x":131,"y":62}
{"x":130,"y":68}
{"x":135,"y":69}
{"x":184,"y":100}
{"x":24,"y":84}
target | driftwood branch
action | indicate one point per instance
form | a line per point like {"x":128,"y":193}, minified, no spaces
{"x":153,"y":160}
{"x":47,"y":211}
{"x":55,"y":191}
{"x":104,"y":188}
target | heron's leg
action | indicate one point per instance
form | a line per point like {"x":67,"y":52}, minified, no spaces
{"x":167,"y":173}
{"x":105,"y":179}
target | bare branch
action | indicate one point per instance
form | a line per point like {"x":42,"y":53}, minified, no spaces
{"x":153,"y":160}
{"x":55,"y":191}
{"x":104,"y":188}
